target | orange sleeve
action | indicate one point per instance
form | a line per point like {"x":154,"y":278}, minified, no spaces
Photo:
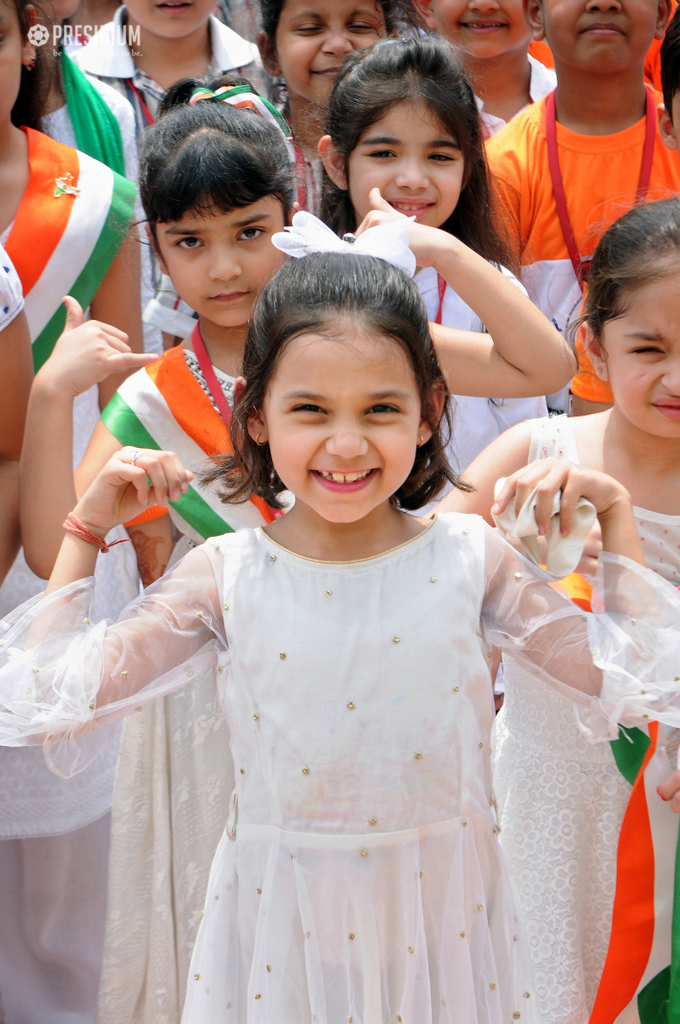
{"x":156,"y":512}
{"x":586,"y":384}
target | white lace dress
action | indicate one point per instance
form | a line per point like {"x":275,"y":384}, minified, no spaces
{"x":562,"y":800}
{"x":360,"y":874}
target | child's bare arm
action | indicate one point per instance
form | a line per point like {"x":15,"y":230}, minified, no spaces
{"x":118,"y":302}
{"x":15,"y":385}
{"x":85,"y":354}
{"x":153,"y":544}
{"x":522,"y":355}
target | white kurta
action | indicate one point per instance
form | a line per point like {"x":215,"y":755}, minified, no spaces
{"x":360,"y":875}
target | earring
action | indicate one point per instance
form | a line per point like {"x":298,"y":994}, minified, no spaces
{"x":257,"y":441}
{"x":29,"y":67}
{"x":420,"y":441}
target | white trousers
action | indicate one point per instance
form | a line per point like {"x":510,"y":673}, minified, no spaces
{"x":52,"y":918}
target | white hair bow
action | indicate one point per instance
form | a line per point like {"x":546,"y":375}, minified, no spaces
{"x":308,"y":234}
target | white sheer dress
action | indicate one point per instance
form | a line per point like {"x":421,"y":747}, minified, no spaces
{"x":360,"y":875}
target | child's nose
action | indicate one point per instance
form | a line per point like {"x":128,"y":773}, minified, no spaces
{"x":347,"y":444}
{"x":484,"y":6}
{"x":603,"y":5}
{"x":224,"y":268}
{"x":411,"y":174}
{"x":338,"y":41}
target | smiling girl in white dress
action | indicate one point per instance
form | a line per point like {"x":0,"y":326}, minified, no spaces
{"x":359,"y":877}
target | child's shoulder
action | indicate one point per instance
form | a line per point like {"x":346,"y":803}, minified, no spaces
{"x":521,"y":135}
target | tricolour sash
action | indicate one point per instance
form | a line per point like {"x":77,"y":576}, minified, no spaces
{"x":164,"y":407}
{"x":70,"y":224}
{"x":641,"y":979}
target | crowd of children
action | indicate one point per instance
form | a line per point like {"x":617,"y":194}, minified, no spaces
{"x":341,"y":406}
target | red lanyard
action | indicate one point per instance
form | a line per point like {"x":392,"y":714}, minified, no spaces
{"x":441,"y":288}
{"x":301,"y":177}
{"x":210,"y":377}
{"x":148,"y":116}
{"x":577,"y":260}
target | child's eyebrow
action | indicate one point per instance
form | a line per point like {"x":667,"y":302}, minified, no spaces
{"x":252,"y":219}
{"x":378,"y":396}
{"x":645,"y":335}
{"x":388,"y":140}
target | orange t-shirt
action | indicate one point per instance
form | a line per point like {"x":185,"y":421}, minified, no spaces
{"x":600,"y":175}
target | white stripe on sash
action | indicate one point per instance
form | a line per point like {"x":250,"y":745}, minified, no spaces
{"x":151,"y":409}
{"x":88,"y":216}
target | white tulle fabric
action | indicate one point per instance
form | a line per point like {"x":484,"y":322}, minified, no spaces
{"x":33,"y":800}
{"x":308,"y":234}
{"x":562,"y":799}
{"x":360,"y":863}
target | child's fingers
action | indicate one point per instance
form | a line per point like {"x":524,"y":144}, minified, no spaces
{"x":378,"y":203}
{"x":168,"y":476}
{"x":120,"y":362}
{"x":670,"y":791}
{"x":74,"y":313}
{"x":109,"y":332}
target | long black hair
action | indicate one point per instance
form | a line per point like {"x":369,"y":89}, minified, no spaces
{"x":309,"y":296}
{"x":210,"y":157}
{"x":34,"y":89}
{"x":424,"y":69}
{"x":639,"y":247}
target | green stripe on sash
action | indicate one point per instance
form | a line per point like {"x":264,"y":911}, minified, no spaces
{"x":118,"y":220}
{"x":653,"y":1000}
{"x":674,"y":1000}
{"x":129,"y":430}
{"x":629,"y":752}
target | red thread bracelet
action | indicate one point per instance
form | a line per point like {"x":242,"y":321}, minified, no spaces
{"x":75,"y":527}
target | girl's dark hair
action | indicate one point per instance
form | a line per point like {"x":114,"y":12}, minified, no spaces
{"x":397,"y":14}
{"x":30,"y":105}
{"x":641,"y":246}
{"x":210,"y":157}
{"x":372,"y":81}
{"x":322,"y":294}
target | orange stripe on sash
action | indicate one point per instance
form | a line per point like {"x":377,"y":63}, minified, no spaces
{"x":634,"y":914}
{"x":194,"y":411}
{"x":41,"y":218}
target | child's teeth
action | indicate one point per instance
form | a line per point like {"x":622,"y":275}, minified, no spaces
{"x":344,"y":478}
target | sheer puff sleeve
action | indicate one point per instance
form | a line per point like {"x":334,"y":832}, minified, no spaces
{"x":65,"y":682}
{"x":620,"y":663}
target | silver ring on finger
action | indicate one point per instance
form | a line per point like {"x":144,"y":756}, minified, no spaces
{"x":135,"y":455}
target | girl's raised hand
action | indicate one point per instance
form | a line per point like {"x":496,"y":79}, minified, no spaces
{"x":548,"y":477}
{"x":132,"y":481}
{"x":425,"y":242}
{"x":87,"y":353}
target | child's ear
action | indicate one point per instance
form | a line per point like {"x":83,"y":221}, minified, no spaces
{"x":257,"y":428}
{"x":333,"y":161}
{"x":663,"y":13}
{"x":268,"y":53}
{"x":435,"y":411}
{"x":28,"y":53}
{"x":595,"y":352}
{"x":666,"y":131}
{"x":425,"y":9}
{"x":534,"y":16}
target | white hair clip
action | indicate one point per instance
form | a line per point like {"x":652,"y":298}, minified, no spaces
{"x":308,"y":234}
